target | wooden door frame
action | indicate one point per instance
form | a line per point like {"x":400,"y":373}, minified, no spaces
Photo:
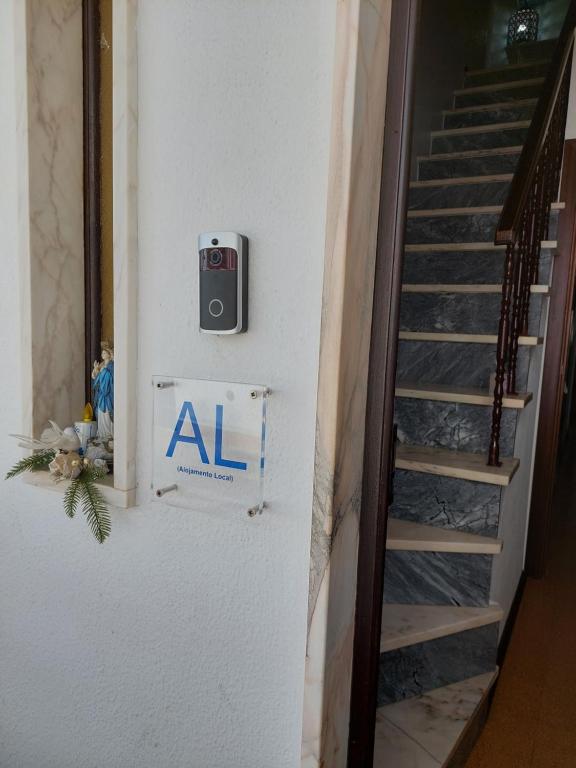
{"x":92,"y":197}
{"x":555,"y":358}
{"x":378,"y":440}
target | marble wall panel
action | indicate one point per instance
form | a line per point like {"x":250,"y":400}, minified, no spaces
{"x":510,"y":137}
{"x":463,"y":267}
{"x":359,"y":97}
{"x":53,"y":255}
{"x":497,"y":95}
{"x":459,"y":312}
{"x":437,"y":578}
{"x":466,"y":365}
{"x":442,"y":168}
{"x":486,"y":116}
{"x":467,"y":228}
{"x":416,"y":669}
{"x":452,"y":425}
{"x":504,"y":75}
{"x":447,"y":502}
{"x":458,"y":195}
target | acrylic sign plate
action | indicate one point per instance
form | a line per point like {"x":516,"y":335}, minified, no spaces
{"x":209,"y":444}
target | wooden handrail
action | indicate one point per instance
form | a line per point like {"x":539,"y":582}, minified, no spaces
{"x":525,"y":220}
{"x":510,"y":221}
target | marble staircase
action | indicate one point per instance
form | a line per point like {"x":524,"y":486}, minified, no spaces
{"x":440,"y":630}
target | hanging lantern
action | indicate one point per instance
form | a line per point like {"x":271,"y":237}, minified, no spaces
{"x":523,"y":25}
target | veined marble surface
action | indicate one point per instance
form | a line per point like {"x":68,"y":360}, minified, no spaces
{"x":506,"y":74}
{"x":510,"y":114}
{"x":49,"y":51}
{"x":508,"y":137}
{"x":359,"y":97}
{"x":437,"y":578}
{"x":125,"y":181}
{"x":421,"y":732}
{"x":463,"y":266}
{"x":404,"y":625}
{"x":452,"y":425}
{"x":431,"y":168}
{"x":498,"y":95}
{"x":415,"y":669}
{"x":449,"y":502}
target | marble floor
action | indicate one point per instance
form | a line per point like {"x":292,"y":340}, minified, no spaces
{"x":421,"y":732}
{"x":533,"y":716}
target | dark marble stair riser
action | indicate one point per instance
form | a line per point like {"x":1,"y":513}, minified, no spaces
{"x":483,"y":267}
{"x":463,"y":228}
{"x":416,"y":669}
{"x":510,"y":114}
{"x":454,"y":363}
{"x":464,"y":142}
{"x":497,"y":95}
{"x":537,"y":51}
{"x":467,"y":228}
{"x":460,"y":312}
{"x":447,"y":502}
{"x":458,"y":195}
{"x":507,"y":75}
{"x":452,"y":425}
{"x":437,"y":578}
{"x":458,"y":167}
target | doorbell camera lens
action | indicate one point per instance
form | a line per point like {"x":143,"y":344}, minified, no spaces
{"x":214,"y":241}
{"x":215,"y":258}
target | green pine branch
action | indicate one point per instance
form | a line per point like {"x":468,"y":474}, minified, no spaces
{"x":72,"y":497}
{"x":31,"y":463}
{"x":93,"y":503}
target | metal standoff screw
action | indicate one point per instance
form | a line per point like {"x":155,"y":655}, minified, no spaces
{"x":164,"y":384}
{"x":161,"y":491}
{"x":253,"y":394}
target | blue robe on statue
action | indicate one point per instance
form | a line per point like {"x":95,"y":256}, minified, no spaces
{"x":104,"y":390}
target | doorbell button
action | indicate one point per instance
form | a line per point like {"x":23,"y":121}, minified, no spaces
{"x":215,"y":307}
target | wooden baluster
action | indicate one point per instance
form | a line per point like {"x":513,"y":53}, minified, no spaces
{"x":501,"y":356}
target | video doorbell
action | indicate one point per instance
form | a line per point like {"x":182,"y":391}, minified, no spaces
{"x":223,"y":282}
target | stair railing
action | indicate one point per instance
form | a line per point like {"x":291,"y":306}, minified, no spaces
{"x":524,"y":221}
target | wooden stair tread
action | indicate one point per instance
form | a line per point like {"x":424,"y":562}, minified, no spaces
{"x":542,"y":290}
{"x":406,"y":536}
{"x":478,"y":210}
{"x":486,"y":128}
{"x":508,"y":85}
{"x":473,"y":153}
{"x":405,"y":625}
{"x":483,"y":245}
{"x":466,"y":395}
{"x":507,"y":67}
{"x":465,"y":338}
{"x":424,"y":731}
{"x":488,"y":179}
{"x":459,"y":464}
{"x":491,"y":106}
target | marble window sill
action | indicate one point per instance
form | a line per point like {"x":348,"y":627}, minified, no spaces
{"x":114,"y":496}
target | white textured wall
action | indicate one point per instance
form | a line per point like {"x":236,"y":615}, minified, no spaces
{"x":181,"y":641}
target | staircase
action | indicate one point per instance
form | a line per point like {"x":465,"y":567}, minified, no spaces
{"x":439,"y":642}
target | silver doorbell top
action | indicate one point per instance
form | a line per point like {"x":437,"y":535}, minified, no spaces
{"x":223,"y":282}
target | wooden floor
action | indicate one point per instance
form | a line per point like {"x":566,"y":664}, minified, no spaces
{"x":532,"y":723}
